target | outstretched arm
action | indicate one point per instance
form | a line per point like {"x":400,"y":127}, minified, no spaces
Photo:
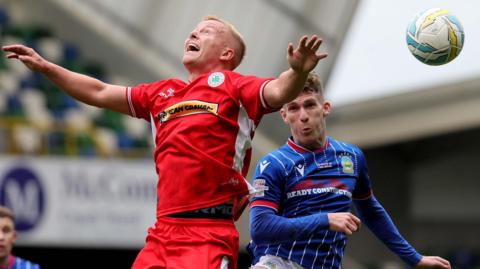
{"x":289,"y":84}
{"x":81,"y":87}
{"x":266,"y":227}
{"x":379,"y":222}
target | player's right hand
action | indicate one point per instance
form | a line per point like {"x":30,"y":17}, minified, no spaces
{"x":344,"y":222}
{"x":27,"y":55}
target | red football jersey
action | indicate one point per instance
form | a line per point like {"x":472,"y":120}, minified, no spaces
{"x":203,"y":131}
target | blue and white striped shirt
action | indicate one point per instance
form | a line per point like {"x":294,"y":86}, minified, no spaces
{"x":296,"y":182}
{"x":19,"y":263}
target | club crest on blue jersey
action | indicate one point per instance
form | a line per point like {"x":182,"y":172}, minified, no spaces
{"x":347,"y":164}
{"x":216,"y":79}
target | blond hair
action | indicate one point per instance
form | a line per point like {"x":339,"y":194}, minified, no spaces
{"x":240,"y":48}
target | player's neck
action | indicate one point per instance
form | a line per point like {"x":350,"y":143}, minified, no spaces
{"x":315,"y":145}
{"x":195,"y":72}
{"x":194,"y":75}
{"x":4,"y":261}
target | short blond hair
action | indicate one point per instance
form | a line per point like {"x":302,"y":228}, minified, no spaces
{"x":241,"y":48}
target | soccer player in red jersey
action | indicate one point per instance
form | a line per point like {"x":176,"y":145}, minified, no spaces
{"x":203,"y":130}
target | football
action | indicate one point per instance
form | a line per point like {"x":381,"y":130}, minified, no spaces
{"x":435,"y":36}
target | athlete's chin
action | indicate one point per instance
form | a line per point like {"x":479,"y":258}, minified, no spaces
{"x":190,"y":62}
{"x":186,"y":60}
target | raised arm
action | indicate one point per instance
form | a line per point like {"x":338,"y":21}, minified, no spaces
{"x":302,"y":60}
{"x":81,"y":87}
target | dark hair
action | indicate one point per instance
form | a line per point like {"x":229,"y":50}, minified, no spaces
{"x":313,"y":84}
{"x":5,"y":212}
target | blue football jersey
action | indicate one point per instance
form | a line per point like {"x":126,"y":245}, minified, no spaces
{"x":19,"y":263}
{"x":296,"y":182}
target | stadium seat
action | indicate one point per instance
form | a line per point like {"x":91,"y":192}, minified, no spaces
{"x":34,"y":109}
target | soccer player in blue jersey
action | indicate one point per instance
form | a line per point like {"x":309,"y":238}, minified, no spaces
{"x":300,"y":217}
{"x":8,"y":236}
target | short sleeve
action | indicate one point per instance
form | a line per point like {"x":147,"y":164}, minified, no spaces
{"x":251,"y":96}
{"x":363,"y":186}
{"x":138,"y":101}
{"x":269,"y":182}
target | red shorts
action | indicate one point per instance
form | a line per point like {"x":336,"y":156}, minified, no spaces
{"x":185,"y":243}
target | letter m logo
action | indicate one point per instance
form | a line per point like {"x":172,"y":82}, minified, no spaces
{"x":21,"y":191}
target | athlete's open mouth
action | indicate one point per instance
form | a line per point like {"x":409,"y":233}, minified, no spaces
{"x":192,"y":47}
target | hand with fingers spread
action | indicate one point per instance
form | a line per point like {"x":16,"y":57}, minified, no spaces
{"x":344,"y":222}
{"x":304,"y":57}
{"x":290,"y":83}
{"x":27,"y":56}
{"x":433,"y":262}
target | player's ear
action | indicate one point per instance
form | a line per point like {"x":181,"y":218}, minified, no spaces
{"x":327,"y":107}
{"x":283,"y":113}
{"x":227,"y":54}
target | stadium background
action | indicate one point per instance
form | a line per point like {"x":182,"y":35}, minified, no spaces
{"x":81,"y":180}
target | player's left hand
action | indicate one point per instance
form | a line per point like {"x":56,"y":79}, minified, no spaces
{"x":433,"y":262}
{"x":304,"y":58}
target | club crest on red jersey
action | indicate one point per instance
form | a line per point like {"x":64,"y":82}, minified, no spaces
{"x":216,"y":79}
